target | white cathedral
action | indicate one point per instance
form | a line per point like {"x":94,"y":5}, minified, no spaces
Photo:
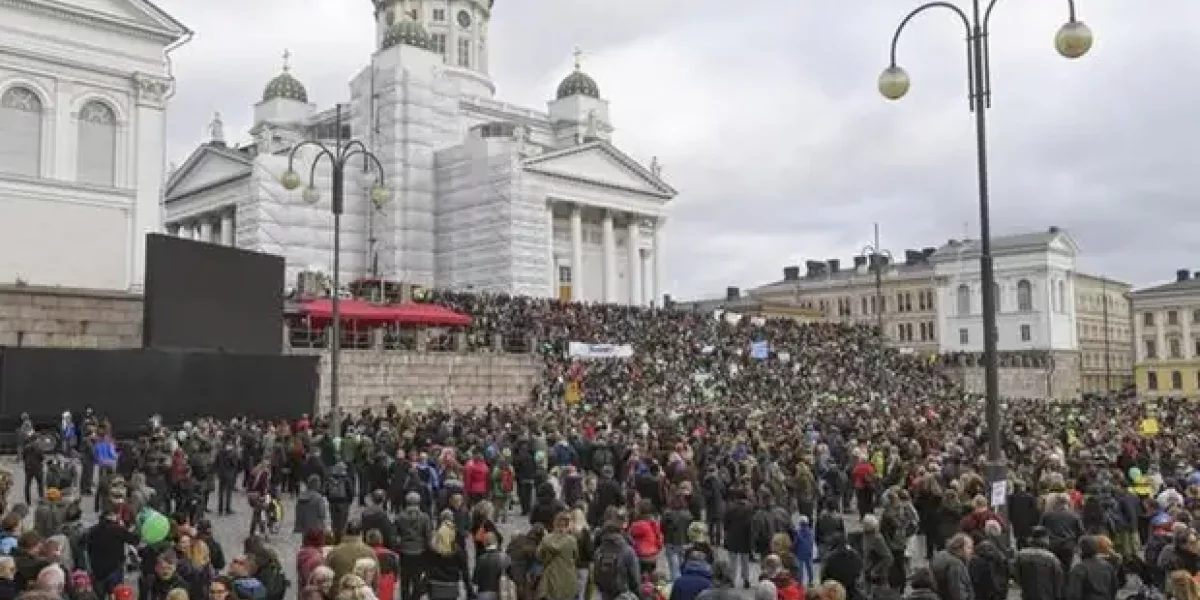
{"x":484,"y":195}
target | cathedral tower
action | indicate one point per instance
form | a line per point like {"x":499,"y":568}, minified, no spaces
{"x":578,"y":113}
{"x":458,"y":33}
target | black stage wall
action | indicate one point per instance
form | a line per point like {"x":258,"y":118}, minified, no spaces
{"x":201,"y":296}
{"x":128,"y":386}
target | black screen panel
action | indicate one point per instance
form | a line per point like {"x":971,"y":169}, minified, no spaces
{"x":201,"y":296}
{"x":127,"y":386}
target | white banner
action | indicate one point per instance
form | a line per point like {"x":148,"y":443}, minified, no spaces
{"x":592,"y":351}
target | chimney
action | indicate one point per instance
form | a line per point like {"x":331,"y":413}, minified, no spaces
{"x":860,"y":261}
{"x":791,"y":273}
{"x":927,"y":252}
{"x":912,"y":257}
{"x":884,"y":261}
{"x":1183,"y":275}
{"x":812,"y":268}
{"x":1054,"y":229}
{"x":951,"y":242}
{"x":732,"y":293}
{"x":834,"y":265}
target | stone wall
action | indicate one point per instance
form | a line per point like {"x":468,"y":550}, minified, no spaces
{"x":425,"y":380}
{"x":69,"y":318}
{"x":1059,"y":379}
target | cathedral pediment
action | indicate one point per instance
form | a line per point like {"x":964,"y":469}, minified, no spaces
{"x":599,"y":162}
{"x":139,"y":13}
{"x":207,"y":167}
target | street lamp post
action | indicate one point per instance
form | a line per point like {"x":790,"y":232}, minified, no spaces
{"x":1073,"y":40}
{"x":340,"y":156}
{"x":875,"y":257}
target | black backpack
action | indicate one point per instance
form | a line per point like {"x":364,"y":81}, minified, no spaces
{"x":607,"y":560}
{"x":338,"y":489}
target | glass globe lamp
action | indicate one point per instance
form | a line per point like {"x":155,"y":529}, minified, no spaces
{"x":380,"y":196}
{"x":311,"y":195}
{"x":290,"y":180}
{"x":894,"y":83}
{"x":1073,"y":40}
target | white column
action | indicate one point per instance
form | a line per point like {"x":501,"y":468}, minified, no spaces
{"x":185,"y":231}
{"x":1160,"y":336}
{"x":643,"y":258}
{"x":227,"y":237}
{"x":635,"y":262}
{"x":576,"y":253}
{"x":149,"y":142}
{"x":552,"y":265}
{"x":610,"y":259}
{"x":659,"y":249}
{"x":206,"y":230}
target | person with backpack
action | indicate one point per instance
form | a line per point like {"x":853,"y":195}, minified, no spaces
{"x":504,"y":485}
{"x":614,"y":564}
{"x":339,"y":491}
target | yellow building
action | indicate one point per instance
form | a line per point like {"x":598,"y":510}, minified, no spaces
{"x":905,"y":300}
{"x":1166,"y":334}
{"x":1105,"y":331}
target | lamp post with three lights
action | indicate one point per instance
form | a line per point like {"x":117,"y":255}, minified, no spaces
{"x":1073,"y":40}
{"x":342,"y":154}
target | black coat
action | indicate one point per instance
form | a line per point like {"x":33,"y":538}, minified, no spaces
{"x":738,"y":520}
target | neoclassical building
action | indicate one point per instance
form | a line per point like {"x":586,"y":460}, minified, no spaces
{"x":485,"y":195}
{"x":84,"y":86}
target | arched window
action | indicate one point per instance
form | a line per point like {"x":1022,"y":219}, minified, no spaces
{"x":97,"y":162}
{"x":964,"y":300}
{"x":21,"y":131}
{"x":1024,"y":295}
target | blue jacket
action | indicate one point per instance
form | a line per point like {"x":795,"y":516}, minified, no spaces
{"x":695,"y":577}
{"x":803,"y":547}
{"x":105,"y":453}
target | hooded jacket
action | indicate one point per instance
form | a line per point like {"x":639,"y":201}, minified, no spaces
{"x":312,"y":512}
{"x":694,"y":577}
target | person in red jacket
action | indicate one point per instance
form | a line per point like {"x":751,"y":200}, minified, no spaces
{"x":647,"y":536}
{"x":476,"y":477}
{"x":863,"y":477}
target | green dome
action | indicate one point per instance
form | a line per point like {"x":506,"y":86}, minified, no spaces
{"x":407,"y":32}
{"x":578,"y":82}
{"x":286,"y":87}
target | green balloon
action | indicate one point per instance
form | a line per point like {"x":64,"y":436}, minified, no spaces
{"x":155,"y":528}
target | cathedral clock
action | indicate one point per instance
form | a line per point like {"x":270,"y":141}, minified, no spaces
{"x":464,"y":19}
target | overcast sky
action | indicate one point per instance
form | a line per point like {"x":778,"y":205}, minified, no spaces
{"x":766,"y":117}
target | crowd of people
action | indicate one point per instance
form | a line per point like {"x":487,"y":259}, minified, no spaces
{"x":726,"y":457}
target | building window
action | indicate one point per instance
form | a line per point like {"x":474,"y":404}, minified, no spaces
{"x":564,"y":275}
{"x":932,"y":331}
{"x":1026,"y":333}
{"x":437,"y":43}
{"x":1176,"y":348}
{"x":1172,"y":317}
{"x":464,"y":53}
{"x":963,"y":337}
{"x":21,"y":132}
{"x":1062,"y":296}
{"x":1152,"y":380}
{"x":1176,"y":380}
{"x":964,"y":300}
{"x":439,"y":14}
{"x":1196,"y":348}
{"x":1148,"y":319}
{"x":391,"y":18}
{"x":1151,"y":349}
{"x":96,"y":163}
{"x":1024,"y":295}
{"x":865,"y":308}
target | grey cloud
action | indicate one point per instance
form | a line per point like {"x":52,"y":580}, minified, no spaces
{"x":767,"y":119}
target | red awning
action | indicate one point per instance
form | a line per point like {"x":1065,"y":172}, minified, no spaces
{"x":366,"y":313}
